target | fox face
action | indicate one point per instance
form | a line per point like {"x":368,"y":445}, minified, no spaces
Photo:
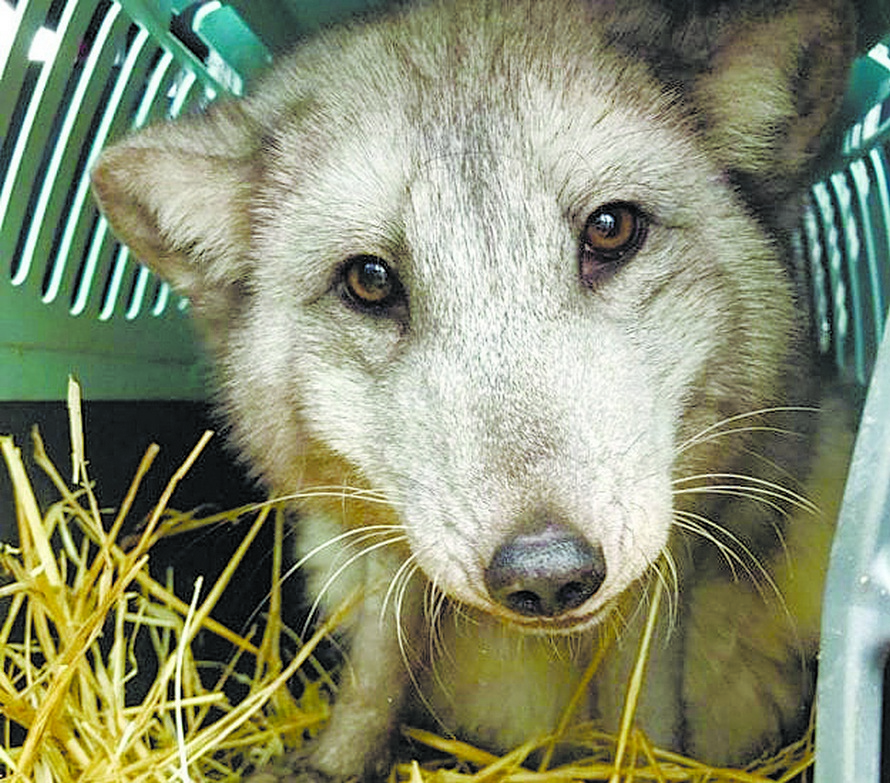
{"x":507,"y":324}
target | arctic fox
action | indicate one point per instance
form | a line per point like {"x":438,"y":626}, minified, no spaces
{"x":509,"y":280}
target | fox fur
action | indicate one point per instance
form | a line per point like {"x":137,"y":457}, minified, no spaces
{"x":508,"y":284}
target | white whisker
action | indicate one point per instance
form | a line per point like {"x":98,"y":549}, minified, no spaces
{"x":733,"y":549}
{"x":339,"y":492}
{"x":671,"y":583}
{"x":437,"y":601}
{"x":722,"y":429}
{"x":339,"y":571}
{"x":749,"y":486}
{"x":404,"y":576}
{"x":361,"y":534}
{"x":396,"y":584}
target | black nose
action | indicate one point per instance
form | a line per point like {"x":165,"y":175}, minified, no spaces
{"x":546,"y":572}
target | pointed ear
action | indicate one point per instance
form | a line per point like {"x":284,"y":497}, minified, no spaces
{"x":177,"y":193}
{"x":770,"y":89}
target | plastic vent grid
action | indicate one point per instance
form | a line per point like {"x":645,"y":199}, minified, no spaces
{"x":72,"y":76}
{"x":845,"y":232}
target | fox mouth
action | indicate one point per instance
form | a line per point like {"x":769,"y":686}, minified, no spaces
{"x":563,"y":624}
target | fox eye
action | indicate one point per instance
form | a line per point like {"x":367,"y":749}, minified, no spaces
{"x":369,"y":284}
{"x":612,"y":235}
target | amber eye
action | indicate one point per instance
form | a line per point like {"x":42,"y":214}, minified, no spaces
{"x":369,"y":284}
{"x":612,"y":234}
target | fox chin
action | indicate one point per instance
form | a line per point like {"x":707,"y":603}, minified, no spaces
{"x":513,"y":279}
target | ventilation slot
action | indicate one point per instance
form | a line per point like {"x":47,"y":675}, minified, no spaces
{"x":845,"y":236}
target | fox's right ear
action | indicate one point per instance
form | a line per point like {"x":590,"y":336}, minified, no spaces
{"x":175,"y":193}
{"x":764,"y":77}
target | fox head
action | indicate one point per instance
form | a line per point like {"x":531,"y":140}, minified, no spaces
{"x":501,"y":265}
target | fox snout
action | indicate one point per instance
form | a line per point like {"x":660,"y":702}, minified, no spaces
{"x":545,"y":572}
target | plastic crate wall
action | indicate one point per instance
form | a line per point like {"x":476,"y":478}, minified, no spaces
{"x":72,"y":299}
{"x":74,"y":74}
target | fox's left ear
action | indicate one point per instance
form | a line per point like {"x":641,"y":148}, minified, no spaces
{"x":770,"y":86}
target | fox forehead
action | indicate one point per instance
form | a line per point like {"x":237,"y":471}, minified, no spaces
{"x":439,"y":86}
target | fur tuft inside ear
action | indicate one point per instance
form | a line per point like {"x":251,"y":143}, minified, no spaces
{"x":175,"y":194}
